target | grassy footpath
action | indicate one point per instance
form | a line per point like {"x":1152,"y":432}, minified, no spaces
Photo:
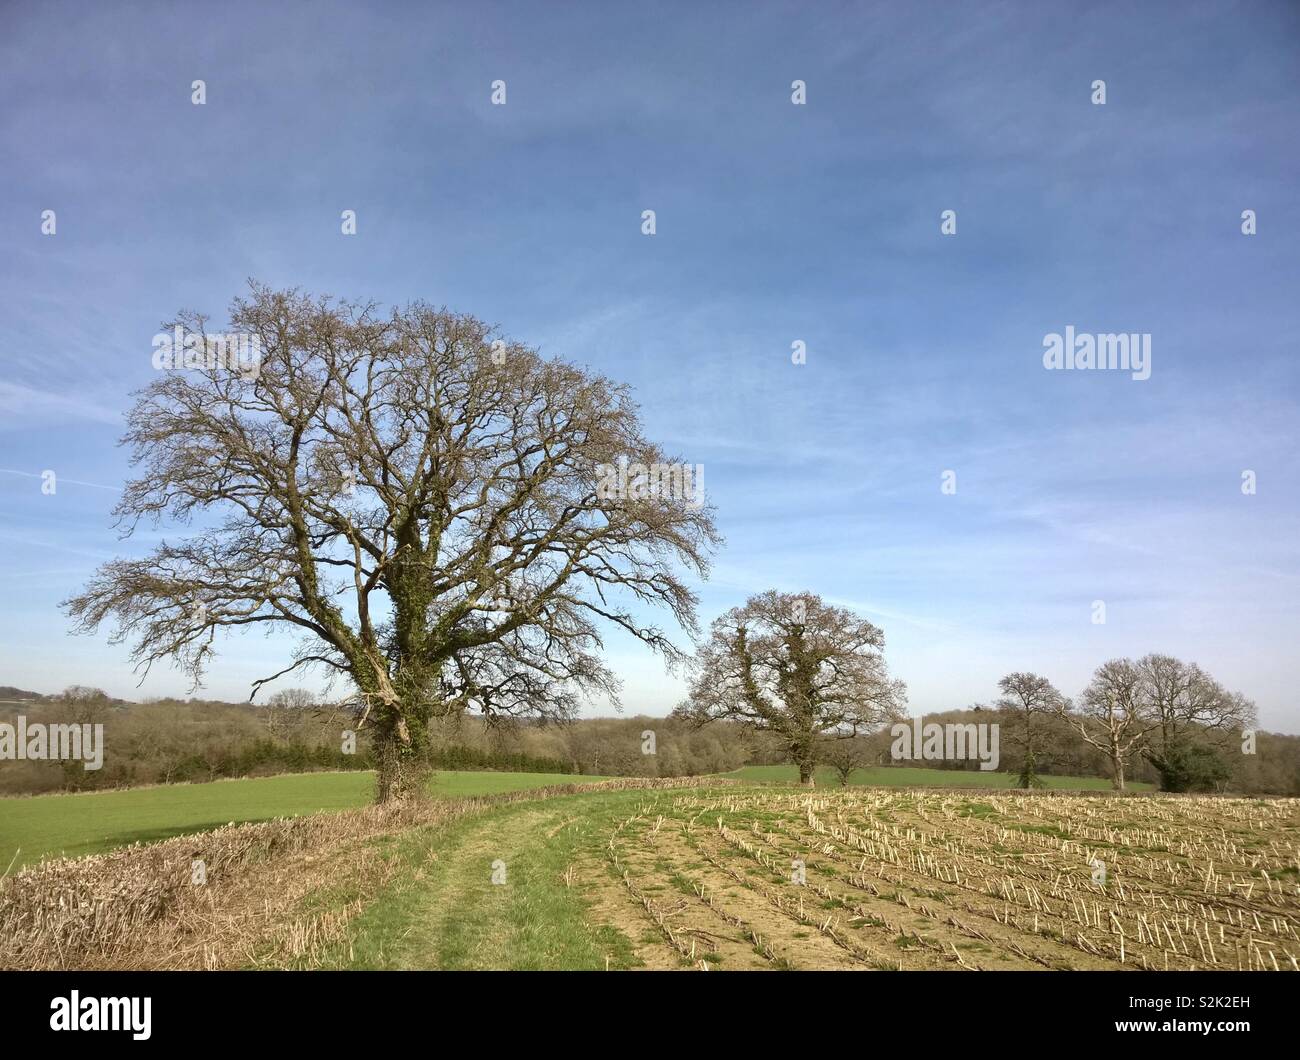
{"x":907,"y":776}
{"x":92,"y":822}
{"x":445,"y":912}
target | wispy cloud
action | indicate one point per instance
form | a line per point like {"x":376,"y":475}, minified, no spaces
{"x":24,"y":405}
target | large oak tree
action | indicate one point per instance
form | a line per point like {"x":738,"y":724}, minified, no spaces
{"x":414,"y":496}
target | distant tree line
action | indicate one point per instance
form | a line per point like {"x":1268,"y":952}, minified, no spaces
{"x":1157,"y":712}
{"x":170,"y":741}
{"x":167,"y":741}
{"x":1155,"y":720}
{"x":460,"y":757}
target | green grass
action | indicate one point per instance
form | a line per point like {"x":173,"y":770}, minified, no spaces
{"x":444,"y":911}
{"x":907,"y":776}
{"x":48,"y":825}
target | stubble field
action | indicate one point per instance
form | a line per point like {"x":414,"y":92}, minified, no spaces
{"x":890,"y":879}
{"x":922,"y":880}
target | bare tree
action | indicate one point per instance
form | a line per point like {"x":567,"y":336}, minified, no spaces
{"x":1113,"y":715}
{"x":845,"y":756}
{"x":81,"y":705}
{"x":1192,"y":711}
{"x":286,"y":708}
{"x":1029,"y":696}
{"x":419,"y":499}
{"x":789,"y":664}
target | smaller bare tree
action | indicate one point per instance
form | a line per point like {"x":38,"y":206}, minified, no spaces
{"x":1113,"y":715}
{"x":845,"y":756}
{"x":1029,"y":697}
{"x":1195,"y":717}
{"x":286,"y":709}
{"x":793,"y":665}
{"x":79,"y":705}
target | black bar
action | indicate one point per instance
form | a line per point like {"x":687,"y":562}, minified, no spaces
{"x":238,"y":1009}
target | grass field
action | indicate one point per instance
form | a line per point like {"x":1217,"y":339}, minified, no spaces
{"x":92,"y":822}
{"x":907,"y":776}
{"x":768,"y":878}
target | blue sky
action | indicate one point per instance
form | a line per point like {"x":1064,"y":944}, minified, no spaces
{"x":775,"y":223}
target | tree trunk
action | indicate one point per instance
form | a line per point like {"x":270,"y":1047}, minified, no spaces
{"x":806,"y":779}
{"x":1119,"y":773}
{"x":402,"y":771}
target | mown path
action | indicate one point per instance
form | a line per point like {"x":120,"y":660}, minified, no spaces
{"x":446,"y":912}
